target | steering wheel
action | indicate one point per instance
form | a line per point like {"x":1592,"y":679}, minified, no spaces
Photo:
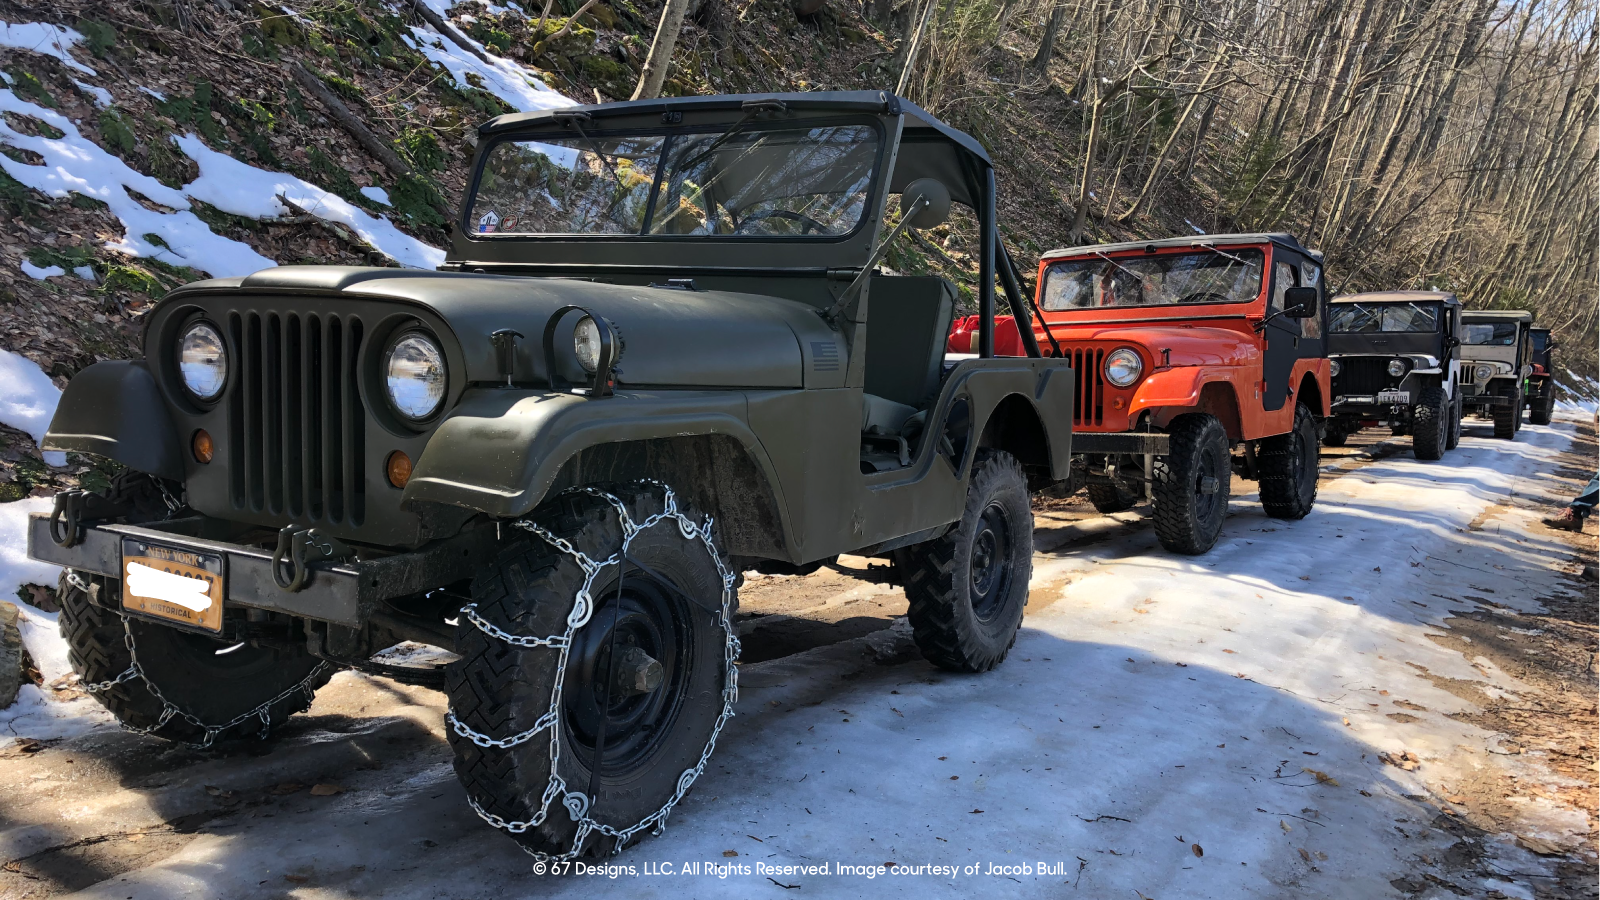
{"x":807,"y":224}
{"x":1205,"y":297}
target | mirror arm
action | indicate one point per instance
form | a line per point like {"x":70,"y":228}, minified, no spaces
{"x":833,"y":312}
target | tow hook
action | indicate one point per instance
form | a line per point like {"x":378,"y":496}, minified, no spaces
{"x":303,"y":546}
{"x":73,"y":508}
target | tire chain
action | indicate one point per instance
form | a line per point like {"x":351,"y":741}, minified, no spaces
{"x":578,"y":804}
{"x":169,"y":710}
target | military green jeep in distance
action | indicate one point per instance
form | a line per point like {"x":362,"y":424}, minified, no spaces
{"x":1496,"y":356}
{"x":651,"y":362}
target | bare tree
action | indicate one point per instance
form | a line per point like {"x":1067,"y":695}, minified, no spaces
{"x":654,"y":73}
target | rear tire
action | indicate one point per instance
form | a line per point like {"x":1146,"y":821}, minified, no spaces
{"x":1430,"y":424}
{"x":1192,"y":483}
{"x":1288,"y":466}
{"x":1545,"y":410}
{"x":654,"y":738}
{"x":1508,"y":418}
{"x":1111,"y":498}
{"x":1335,"y":438}
{"x":185,"y":668}
{"x":967,"y":588}
{"x":1457,"y":413}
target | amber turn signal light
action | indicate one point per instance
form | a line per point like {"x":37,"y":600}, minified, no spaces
{"x":202,"y":446}
{"x":398,"y":469}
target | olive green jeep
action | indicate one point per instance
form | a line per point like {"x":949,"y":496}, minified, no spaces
{"x":652,"y":361}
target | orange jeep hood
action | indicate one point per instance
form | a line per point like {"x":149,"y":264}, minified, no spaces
{"x":1206,"y":345}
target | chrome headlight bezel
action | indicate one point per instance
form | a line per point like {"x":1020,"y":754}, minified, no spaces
{"x":426,"y":366}
{"x":191,"y":371}
{"x":1398,"y":368}
{"x":1126,"y":361}
{"x":1483,"y":372}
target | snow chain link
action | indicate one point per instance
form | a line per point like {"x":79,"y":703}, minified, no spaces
{"x":170,"y":710}
{"x":576,"y":803}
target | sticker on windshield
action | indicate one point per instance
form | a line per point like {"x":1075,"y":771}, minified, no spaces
{"x":488,"y":222}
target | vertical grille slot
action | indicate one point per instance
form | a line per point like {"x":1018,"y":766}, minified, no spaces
{"x":1362,"y":375}
{"x":1088,"y":402}
{"x":296,"y":423}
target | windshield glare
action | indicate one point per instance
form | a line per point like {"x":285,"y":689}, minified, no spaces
{"x":1367,"y":318}
{"x":1206,"y":276}
{"x":793,"y":182}
{"x":1494,"y":334}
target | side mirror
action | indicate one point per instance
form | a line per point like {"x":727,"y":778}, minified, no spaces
{"x":931,"y":214}
{"x":1300,"y":302}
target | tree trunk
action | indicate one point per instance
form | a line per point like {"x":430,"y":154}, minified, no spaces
{"x":1047,"y":43}
{"x":659,"y":61}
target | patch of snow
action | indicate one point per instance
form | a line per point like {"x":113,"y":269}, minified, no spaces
{"x":411,"y":653}
{"x":1197,"y":228}
{"x":244,"y":190}
{"x":501,"y":77}
{"x":39,"y":274}
{"x":154,"y":93}
{"x":45,"y":38}
{"x":27,"y":404}
{"x":376,"y":195}
{"x":102,"y":97}
{"x":72,"y":163}
{"x":85,"y":272}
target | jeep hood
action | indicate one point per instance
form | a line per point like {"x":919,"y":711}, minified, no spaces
{"x":670,"y":337}
{"x":1197,"y":346}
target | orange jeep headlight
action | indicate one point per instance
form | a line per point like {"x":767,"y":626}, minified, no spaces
{"x":1123,"y":367}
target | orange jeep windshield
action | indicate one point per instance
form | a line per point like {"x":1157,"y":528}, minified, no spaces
{"x":1168,"y":279}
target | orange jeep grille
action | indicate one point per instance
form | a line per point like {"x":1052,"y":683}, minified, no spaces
{"x":1089,"y":387}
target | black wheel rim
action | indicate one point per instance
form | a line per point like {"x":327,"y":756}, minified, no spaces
{"x":653,"y":619}
{"x":990,"y":565}
{"x":1206,"y":503}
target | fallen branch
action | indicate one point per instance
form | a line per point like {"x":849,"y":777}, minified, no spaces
{"x":564,"y":29}
{"x":448,"y":30}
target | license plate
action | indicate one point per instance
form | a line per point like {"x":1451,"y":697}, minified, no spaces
{"x":172,"y":583}
{"x":1394,"y":397}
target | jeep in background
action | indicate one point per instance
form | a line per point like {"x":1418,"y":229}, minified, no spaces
{"x":1539,"y":388}
{"x":1395,"y":359}
{"x":1186,"y":349}
{"x":1496,"y":346}
{"x":659,"y":354}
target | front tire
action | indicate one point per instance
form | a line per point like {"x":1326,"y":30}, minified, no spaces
{"x":661,"y":706}
{"x":1545,"y":411}
{"x":967,"y":588}
{"x":1430,"y":424}
{"x":1508,"y":417}
{"x":1192,"y":483}
{"x":1288,"y":465}
{"x":1457,"y":413}
{"x":213,"y":695}
{"x":1111,"y":498}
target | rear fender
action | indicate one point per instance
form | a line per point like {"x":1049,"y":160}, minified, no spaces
{"x":503,"y":452}
{"x":114,"y":409}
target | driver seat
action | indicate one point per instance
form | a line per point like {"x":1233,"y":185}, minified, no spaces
{"x":908,"y":322}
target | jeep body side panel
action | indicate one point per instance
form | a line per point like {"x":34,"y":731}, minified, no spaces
{"x":114,"y":409}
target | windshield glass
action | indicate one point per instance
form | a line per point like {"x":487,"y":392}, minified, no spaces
{"x":1172,"y":278}
{"x":793,"y":182}
{"x":1366,"y":318}
{"x":1495,"y":334}
{"x":1541,"y":340}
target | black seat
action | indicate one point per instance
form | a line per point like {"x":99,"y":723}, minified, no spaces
{"x":908,"y":323}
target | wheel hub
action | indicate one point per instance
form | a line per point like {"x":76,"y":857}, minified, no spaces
{"x":991,"y":549}
{"x":637,"y":672}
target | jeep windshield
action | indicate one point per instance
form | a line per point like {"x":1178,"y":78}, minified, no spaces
{"x":791,"y":182}
{"x":1371,"y":318}
{"x":1168,"y":279}
{"x":1491,"y":334}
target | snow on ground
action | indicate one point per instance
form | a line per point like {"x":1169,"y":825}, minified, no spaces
{"x":40,"y":273}
{"x":73,"y":163}
{"x":376,"y":195}
{"x":244,"y":190}
{"x":28,"y":401}
{"x":500,"y":76}
{"x":42,"y":37}
{"x":1165,"y":726}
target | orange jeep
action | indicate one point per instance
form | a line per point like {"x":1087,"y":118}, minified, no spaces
{"x":1185,"y":350}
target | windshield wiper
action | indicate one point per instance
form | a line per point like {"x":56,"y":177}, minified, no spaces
{"x":575,"y":118}
{"x":752,"y":108}
{"x":1212,"y":247}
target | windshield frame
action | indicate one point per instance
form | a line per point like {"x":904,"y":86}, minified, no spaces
{"x":595,"y":131}
{"x":1161,"y":311}
{"x":1440,"y":316}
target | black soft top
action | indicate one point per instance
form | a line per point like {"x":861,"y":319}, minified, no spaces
{"x":1282,"y":239}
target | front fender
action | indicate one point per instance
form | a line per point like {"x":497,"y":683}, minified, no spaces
{"x":1179,"y":386}
{"x":500,"y":450}
{"x":114,"y":409}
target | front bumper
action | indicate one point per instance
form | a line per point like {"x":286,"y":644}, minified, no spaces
{"x":341,"y":593}
{"x":1136,"y":443}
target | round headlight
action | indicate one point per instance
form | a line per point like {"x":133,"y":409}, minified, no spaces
{"x":1483,"y":372}
{"x":1397,"y":367}
{"x":1123,"y":367}
{"x":414,"y":375}
{"x":203,"y":361}
{"x":1333,"y":367}
{"x":586,"y":344}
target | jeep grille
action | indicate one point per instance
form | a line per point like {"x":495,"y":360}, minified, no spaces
{"x":295,"y":416}
{"x":1088,"y":407}
{"x":1361,"y":375}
